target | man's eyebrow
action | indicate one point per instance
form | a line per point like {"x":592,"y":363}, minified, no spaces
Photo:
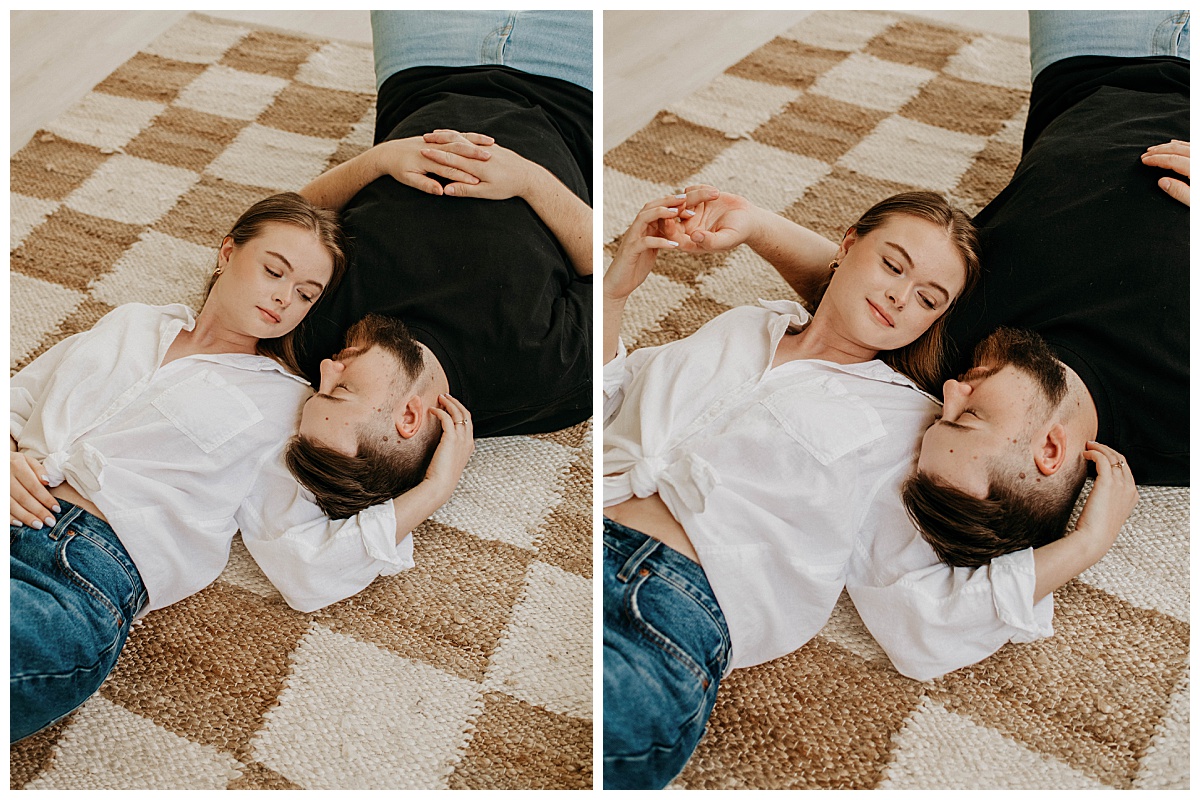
{"x":288,"y":264}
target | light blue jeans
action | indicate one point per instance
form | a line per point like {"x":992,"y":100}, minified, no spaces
{"x":556,"y":44}
{"x":1055,"y":35}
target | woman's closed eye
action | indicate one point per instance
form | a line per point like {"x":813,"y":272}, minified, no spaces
{"x":272,"y":272}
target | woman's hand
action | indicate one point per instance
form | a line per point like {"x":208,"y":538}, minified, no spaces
{"x":1177,"y":157}
{"x":454,"y":450}
{"x":30,"y":503}
{"x":720,"y":221}
{"x":405,"y":159}
{"x":1113,"y":497}
{"x":500,"y":177}
{"x":655,"y":227}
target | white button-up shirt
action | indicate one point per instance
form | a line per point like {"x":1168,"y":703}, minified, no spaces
{"x":787,"y":483}
{"x":178,"y":456}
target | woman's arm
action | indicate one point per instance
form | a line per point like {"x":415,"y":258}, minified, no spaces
{"x":1113,"y":497}
{"x":507,"y":174}
{"x":723,"y":221}
{"x":404,"y":161}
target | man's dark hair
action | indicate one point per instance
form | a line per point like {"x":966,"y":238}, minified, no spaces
{"x":345,"y":485}
{"x":384,"y":466}
{"x":969,"y":531}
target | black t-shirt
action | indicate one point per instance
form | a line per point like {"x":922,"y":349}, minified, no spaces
{"x":483,"y":283}
{"x":1084,"y":248}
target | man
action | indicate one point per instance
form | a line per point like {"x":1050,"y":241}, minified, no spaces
{"x":491,"y":274}
{"x":1087,"y":247}
{"x":469,"y":288}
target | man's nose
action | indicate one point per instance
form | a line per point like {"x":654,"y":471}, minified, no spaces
{"x":330,"y":370}
{"x":954,"y":398}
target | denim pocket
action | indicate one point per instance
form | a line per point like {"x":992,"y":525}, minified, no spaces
{"x":100,"y":575}
{"x":675,"y":623}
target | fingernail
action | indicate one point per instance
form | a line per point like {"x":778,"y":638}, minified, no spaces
{"x":689,"y":212}
{"x":56,"y":509}
{"x":44,"y":478}
{"x":50,"y":521}
{"x":673,"y":244}
{"x":448,"y":190}
{"x":15,"y":523}
{"x":36,"y":525}
{"x":681,"y":197}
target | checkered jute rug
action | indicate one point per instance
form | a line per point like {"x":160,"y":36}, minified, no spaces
{"x":819,"y":123}
{"x":472,"y":670}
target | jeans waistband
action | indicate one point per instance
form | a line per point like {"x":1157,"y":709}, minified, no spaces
{"x":642,"y":551}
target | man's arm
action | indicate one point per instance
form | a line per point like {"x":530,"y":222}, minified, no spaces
{"x":507,"y":174}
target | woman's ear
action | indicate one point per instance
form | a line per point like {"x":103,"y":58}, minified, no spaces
{"x":847,"y":241}
{"x":225,"y":252}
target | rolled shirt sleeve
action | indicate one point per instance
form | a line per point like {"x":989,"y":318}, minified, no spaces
{"x":312,"y":560}
{"x":936,"y":619}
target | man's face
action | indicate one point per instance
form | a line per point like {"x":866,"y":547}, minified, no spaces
{"x":357,"y":385}
{"x":998,"y":405}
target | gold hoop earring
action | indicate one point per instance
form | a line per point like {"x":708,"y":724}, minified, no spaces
{"x":833,"y":265}
{"x":218,"y":270}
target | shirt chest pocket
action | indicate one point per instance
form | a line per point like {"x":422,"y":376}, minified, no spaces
{"x":207,"y":409}
{"x":825,"y":418}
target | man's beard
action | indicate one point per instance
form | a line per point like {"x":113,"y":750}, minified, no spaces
{"x":1028,"y":352}
{"x":391,"y":335}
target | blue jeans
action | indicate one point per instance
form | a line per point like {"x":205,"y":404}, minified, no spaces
{"x":666,"y":647}
{"x":1055,"y":35}
{"x":557,"y":44}
{"x":73,"y":593}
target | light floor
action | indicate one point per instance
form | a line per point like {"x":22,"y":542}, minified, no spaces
{"x":653,"y":58}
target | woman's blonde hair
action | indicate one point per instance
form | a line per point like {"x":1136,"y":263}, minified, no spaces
{"x":924,"y":359}
{"x":290,"y":208}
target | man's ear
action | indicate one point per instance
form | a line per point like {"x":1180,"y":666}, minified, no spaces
{"x":1050,"y":453}
{"x":410,"y":416}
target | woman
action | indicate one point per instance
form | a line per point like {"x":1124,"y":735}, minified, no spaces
{"x":134,"y":445}
{"x":742,"y":463}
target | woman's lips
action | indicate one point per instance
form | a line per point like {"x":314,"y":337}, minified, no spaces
{"x":268,"y":316}
{"x":881,"y":315}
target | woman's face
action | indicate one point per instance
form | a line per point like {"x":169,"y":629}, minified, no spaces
{"x":270,"y":282}
{"x":893,"y":283}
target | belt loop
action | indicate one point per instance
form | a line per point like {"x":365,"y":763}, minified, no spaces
{"x":641,"y":554}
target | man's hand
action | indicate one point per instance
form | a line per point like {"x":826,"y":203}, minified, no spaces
{"x":29,"y":501}
{"x":500,"y":177}
{"x":406,"y":161}
{"x":454,"y":450}
{"x":1177,"y":157}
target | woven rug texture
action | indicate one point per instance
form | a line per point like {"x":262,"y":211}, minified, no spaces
{"x":473,"y":670}
{"x":830,"y":116}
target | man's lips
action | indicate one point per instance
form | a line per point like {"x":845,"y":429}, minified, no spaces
{"x":881,"y":315}
{"x":268,"y":316}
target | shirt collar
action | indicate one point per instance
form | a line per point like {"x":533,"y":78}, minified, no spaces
{"x":874,"y":369}
{"x":251,"y":362}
